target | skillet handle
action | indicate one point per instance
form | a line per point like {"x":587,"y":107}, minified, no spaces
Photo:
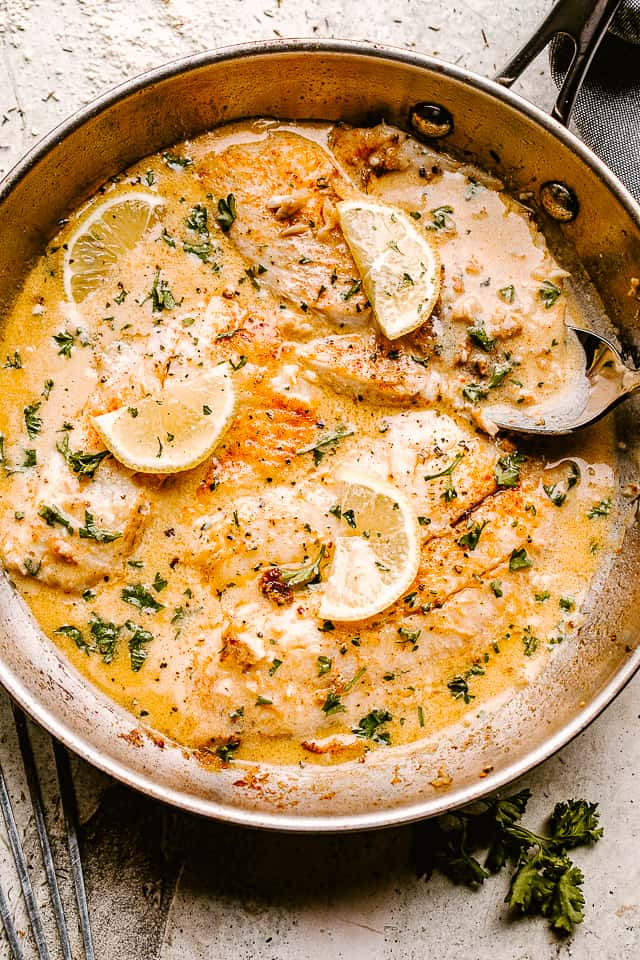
{"x":585,"y":22}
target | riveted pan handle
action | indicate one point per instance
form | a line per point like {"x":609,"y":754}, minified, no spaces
{"x":585,"y":22}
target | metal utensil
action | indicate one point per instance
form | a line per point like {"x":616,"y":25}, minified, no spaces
{"x":609,"y":381}
{"x":25,"y":867}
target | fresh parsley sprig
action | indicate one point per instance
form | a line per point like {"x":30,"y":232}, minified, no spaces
{"x":545,"y":881}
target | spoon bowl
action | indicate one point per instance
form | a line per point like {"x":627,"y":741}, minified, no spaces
{"x":608,"y":379}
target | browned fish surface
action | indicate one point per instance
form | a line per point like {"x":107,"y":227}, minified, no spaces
{"x":286,"y":188}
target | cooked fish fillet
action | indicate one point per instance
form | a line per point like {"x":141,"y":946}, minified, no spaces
{"x":286,"y":188}
{"x":56,"y":554}
{"x":366,"y":367}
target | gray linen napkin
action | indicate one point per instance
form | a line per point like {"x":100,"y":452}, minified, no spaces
{"x":607,"y":112}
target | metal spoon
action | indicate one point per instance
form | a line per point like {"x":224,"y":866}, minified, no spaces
{"x":609,"y":381}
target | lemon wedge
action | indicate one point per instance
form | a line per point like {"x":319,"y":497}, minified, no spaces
{"x":109,"y":230}
{"x":398,"y":263}
{"x":377,"y":560}
{"x":174,"y":430}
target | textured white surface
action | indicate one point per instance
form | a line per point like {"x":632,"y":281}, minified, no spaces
{"x":242,"y":894}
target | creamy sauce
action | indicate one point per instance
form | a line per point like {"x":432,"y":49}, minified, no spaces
{"x":277,"y":298}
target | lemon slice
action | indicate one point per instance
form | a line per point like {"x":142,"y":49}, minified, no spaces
{"x":174,"y":430}
{"x":110,"y":230}
{"x":398,"y":263}
{"x":377,"y":560}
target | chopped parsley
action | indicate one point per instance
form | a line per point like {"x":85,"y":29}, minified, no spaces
{"x":75,"y":634}
{"x":65,"y":341}
{"x":52,"y":515}
{"x":197,"y":219}
{"x":447,"y":471}
{"x":83,"y":464}
{"x":326,"y":443}
{"x":275,"y":663}
{"x":333,"y":704}
{"x":138,"y":596}
{"x":353,"y":289}
{"x":32,"y":421}
{"x":496,"y":588}
{"x":460,"y":688}
{"x":549,"y":293}
{"x":160,"y":294}
{"x":601,"y":509}
{"x":530,"y":642}
{"x":478,"y":335}
{"x":175,"y":160}
{"x":92,"y":532}
{"x":226,"y":750}
{"x":227,"y":212}
{"x":474,"y":392}
{"x":14,"y":362}
{"x":369,"y":727}
{"x":499,"y":372}
{"x":557,"y":492}
{"x":204,"y":251}
{"x":305,"y":574}
{"x":519,"y":560}
{"x":105,"y":635}
{"x":441,"y":218}
{"x":324,"y":665}
{"x":470,"y":539}
{"x":508,"y":294}
{"x":137,"y":644}
{"x":507,"y":469}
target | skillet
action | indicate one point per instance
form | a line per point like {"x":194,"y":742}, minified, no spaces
{"x":592,"y":225}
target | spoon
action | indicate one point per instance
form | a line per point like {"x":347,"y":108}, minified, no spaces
{"x":608,"y":381}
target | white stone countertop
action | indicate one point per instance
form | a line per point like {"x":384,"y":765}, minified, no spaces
{"x":163,"y":886}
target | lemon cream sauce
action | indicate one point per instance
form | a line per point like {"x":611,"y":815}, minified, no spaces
{"x":193,"y":599}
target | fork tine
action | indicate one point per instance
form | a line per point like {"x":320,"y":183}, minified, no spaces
{"x":21,"y":866}
{"x":70,"y":810}
{"x":9,"y":929}
{"x":41,"y":826}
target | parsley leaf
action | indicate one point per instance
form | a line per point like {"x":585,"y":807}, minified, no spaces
{"x":307,"y":573}
{"x":65,"y":341}
{"x":471,"y":538}
{"x":333,"y":704}
{"x":138,"y":596}
{"x":507,"y":469}
{"x":105,"y":634}
{"x":32,"y":421}
{"x":557,"y":492}
{"x":160,"y":294}
{"x":478,"y":335}
{"x":52,"y":515}
{"x":227,"y":212}
{"x":369,"y":727}
{"x":137,"y":644}
{"x":81,"y":463}
{"x":92,"y":532}
{"x":324,"y":665}
{"x":545,"y":881}
{"x":549,"y":293}
{"x":75,"y":634}
{"x":601,"y":509}
{"x":227,"y":749}
{"x":326,"y":443}
{"x":519,"y":560}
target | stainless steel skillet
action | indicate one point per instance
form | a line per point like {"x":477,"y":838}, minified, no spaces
{"x":492,"y":127}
